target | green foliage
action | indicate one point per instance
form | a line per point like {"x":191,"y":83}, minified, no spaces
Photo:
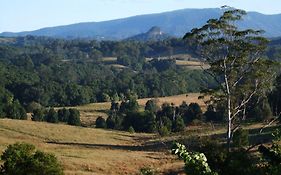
{"x":38,"y":115}
{"x":241,"y":138}
{"x":194,"y":112}
{"x":236,"y":62}
{"x":146,"y":171}
{"x":15,"y":111}
{"x":215,"y":152}
{"x":131,"y":130}
{"x":151,"y":105}
{"x":74,"y":117}
{"x":272,"y":155}
{"x":22,"y":159}
{"x":129,"y":106}
{"x":100,"y":122}
{"x":240,"y":162}
{"x":195,"y":163}
{"x":51,"y":116}
{"x":261,"y":111}
{"x":31,"y":70}
{"x":33,"y":106}
{"x":178,"y":125}
{"x":163,"y":131}
{"x":63,"y":115}
{"x":212,"y":115}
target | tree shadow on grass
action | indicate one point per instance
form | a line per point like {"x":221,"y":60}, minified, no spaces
{"x":145,"y":147}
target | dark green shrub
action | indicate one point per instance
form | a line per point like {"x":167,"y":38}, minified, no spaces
{"x":74,"y":117}
{"x":240,"y":162}
{"x":110,"y":123}
{"x":163,"y":131}
{"x":63,"y":115}
{"x":178,"y":125}
{"x":131,"y":130}
{"x":15,"y":111}
{"x":38,"y":115}
{"x":211,"y":114}
{"x":151,"y":105}
{"x":194,"y":112}
{"x":52,"y":116}
{"x":215,"y":152}
{"x":100,"y":122}
{"x":32,"y":106}
{"x":241,"y":138}
{"x":23,"y":159}
{"x":146,"y":171}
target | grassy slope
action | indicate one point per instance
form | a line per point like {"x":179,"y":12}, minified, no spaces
{"x":88,"y":150}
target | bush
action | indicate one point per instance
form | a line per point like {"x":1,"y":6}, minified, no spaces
{"x":32,"y":106}
{"x":23,"y":159}
{"x":16,"y":111}
{"x":146,"y":171}
{"x":52,"y":116}
{"x":100,"y":122}
{"x":74,"y":117}
{"x":151,"y":105}
{"x":38,"y":115}
{"x":163,"y":131}
{"x":63,"y":115}
{"x":178,"y":125}
{"x":131,"y":130}
{"x":241,"y":138}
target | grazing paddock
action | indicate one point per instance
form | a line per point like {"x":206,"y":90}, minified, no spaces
{"x":90,"y":151}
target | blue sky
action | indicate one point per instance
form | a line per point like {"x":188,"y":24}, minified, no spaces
{"x":24,"y":15}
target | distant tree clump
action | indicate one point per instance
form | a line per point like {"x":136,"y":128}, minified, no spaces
{"x":51,"y":116}
{"x":100,"y":122}
{"x":22,"y":159}
{"x":74,"y":117}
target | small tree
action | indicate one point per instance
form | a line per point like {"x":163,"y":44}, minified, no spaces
{"x":52,"y":116}
{"x":38,"y":115}
{"x":151,"y":105}
{"x":178,"y":125}
{"x":235,"y":59}
{"x":63,"y":115}
{"x":100,"y":122}
{"x":74,"y":117}
{"x":22,"y":159}
{"x":241,"y":138}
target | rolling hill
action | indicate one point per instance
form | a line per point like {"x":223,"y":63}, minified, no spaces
{"x":174,"y":23}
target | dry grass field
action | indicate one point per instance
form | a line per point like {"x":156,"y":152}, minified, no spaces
{"x":192,"y":64}
{"x":90,"y":151}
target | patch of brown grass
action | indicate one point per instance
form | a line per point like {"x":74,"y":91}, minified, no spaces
{"x":88,"y":150}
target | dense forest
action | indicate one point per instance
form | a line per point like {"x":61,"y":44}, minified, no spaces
{"x":55,"y":72}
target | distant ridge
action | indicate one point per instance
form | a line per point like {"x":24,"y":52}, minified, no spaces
{"x":174,"y":23}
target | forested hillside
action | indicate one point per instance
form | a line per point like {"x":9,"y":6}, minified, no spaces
{"x":55,"y":72}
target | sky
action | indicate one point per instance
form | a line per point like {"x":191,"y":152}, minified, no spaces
{"x":26,"y":15}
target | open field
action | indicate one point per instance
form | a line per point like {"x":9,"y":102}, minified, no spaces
{"x":192,"y":64}
{"x":96,"y":151}
{"x":88,"y":150}
{"x":90,"y":112}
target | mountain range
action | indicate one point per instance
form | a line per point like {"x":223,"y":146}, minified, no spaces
{"x":174,"y":23}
